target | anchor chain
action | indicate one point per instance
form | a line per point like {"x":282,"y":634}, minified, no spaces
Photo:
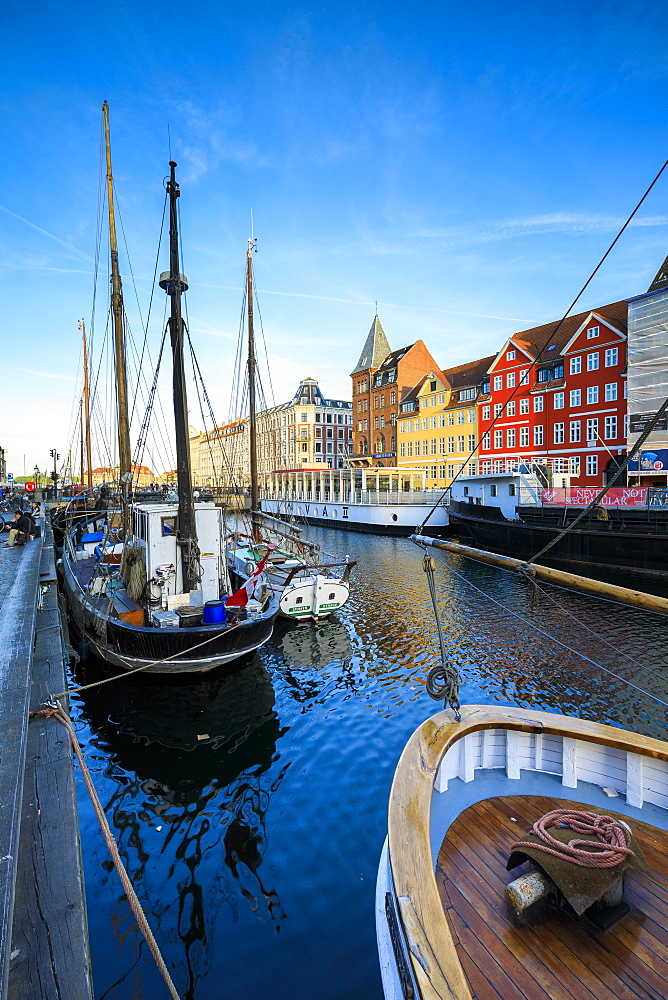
{"x":444,"y":680}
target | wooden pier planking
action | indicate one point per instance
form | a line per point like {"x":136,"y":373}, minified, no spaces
{"x":45,"y":952}
{"x":558,"y":958}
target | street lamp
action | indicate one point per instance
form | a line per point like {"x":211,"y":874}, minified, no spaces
{"x":54,"y":475}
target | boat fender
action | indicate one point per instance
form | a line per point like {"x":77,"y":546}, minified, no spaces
{"x":527,"y":890}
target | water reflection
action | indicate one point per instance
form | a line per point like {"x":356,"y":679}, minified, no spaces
{"x":229,"y":795}
{"x":188,"y":764}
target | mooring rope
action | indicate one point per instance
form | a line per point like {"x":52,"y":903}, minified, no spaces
{"x":55,"y":710}
{"x":443,"y":681}
{"x":608,"y":851}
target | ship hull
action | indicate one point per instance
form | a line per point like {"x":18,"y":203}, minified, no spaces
{"x":621,"y":543}
{"x":377,"y":519}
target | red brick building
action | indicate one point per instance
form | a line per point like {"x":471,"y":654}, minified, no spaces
{"x":557,"y":394}
{"x":380,"y":379}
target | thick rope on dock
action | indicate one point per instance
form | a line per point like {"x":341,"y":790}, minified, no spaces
{"x":56,"y":711}
{"x":611,"y":848}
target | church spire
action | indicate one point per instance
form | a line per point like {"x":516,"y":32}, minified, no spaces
{"x":376,"y":348}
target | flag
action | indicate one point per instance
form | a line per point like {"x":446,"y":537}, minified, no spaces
{"x":241,"y":598}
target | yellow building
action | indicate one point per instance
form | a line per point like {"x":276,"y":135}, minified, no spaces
{"x":438,"y":423}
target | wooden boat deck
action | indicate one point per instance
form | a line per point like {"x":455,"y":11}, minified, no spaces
{"x":555,"y":959}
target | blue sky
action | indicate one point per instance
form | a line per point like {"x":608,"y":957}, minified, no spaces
{"x":466,"y":165}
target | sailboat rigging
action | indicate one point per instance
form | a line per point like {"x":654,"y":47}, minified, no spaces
{"x":293,"y":567}
{"x":146,"y":583}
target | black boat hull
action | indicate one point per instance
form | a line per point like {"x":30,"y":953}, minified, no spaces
{"x":161,"y":650}
{"x":621,"y":543}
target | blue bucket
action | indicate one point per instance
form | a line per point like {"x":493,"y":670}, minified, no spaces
{"x":214,"y":613}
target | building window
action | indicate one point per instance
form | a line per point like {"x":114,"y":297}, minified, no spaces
{"x":524,"y":376}
{"x":510,"y":408}
{"x":538,"y":404}
{"x":575,"y":430}
{"x":485,"y":386}
{"x":510,"y":380}
{"x":524,"y":405}
{"x":441,"y":420}
{"x":485,"y":440}
{"x":393,"y":420}
{"x":402,"y":449}
{"x":611,"y":357}
{"x":592,"y":465}
{"x":498,"y":409}
{"x":559,"y":433}
{"x":498,"y":382}
{"x":576,"y":366}
{"x":425,"y":447}
{"x":558,"y":400}
{"x":451,"y":419}
{"x":460,"y":442}
{"x":393,"y":398}
{"x":382,"y":421}
{"x":432,"y":421}
{"x":441,"y":446}
{"x":471,"y":414}
{"x":576,"y":397}
{"x":592,"y":362}
{"x":592,"y":394}
{"x":376,"y":422}
{"x":593,"y":331}
{"x":410,"y":449}
{"x":592,"y":430}
{"x":441,"y":472}
{"x":510,"y":437}
{"x":610,"y":431}
{"x":485,"y":412}
{"x":510,"y":355}
{"x":471,"y":440}
{"x":451,"y":445}
{"x":425,"y":423}
{"x":524,"y":437}
{"x":466,"y":394}
{"x":610,"y":392}
{"x":538,"y":434}
{"x":432,"y":446}
{"x":498,"y":439}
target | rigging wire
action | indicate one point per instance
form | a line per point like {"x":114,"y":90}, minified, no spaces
{"x":564,"y":645}
{"x":543,"y":349}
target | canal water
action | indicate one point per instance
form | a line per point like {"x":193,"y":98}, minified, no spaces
{"x":250,"y":809}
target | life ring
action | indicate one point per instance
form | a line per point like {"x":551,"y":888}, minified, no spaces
{"x":250,"y":567}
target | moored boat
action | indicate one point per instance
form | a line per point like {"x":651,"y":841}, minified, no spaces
{"x":464,"y":794}
{"x":146,"y":584}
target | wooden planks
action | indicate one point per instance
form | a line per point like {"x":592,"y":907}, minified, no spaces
{"x":556,"y":958}
{"x":17,"y":624}
{"x":50,"y":956}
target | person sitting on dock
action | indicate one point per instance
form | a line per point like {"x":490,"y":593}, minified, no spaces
{"x":21,"y":529}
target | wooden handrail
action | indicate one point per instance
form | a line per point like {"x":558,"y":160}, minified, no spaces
{"x":434,"y":959}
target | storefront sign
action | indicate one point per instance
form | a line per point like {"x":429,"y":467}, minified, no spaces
{"x":582,"y":496}
{"x":638,"y":422}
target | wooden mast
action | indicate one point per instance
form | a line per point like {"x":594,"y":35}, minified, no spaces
{"x":124,"y":456}
{"x":81,"y":442}
{"x":86,"y":398}
{"x":252,"y":367}
{"x":174,"y":283}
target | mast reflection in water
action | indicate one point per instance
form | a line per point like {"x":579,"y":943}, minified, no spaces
{"x":251,"y":808}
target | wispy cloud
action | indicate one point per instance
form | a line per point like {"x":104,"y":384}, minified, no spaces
{"x":49,"y":375}
{"x":45,"y":233}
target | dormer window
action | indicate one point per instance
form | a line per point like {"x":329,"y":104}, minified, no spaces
{"x":432,"y":387}
{"x":592,"y":332}
{"x":510,"y":355}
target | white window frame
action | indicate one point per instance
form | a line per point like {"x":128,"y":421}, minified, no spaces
{"x":538,"y":404}
{"x":611,"y":357}
{"x":559,"y":400}
{"x":593,"y":362}
{"x":576,"y":397}
{"x":576,"y":365}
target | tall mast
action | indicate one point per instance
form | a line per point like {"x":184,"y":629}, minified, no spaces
{"x":86,"y":396}
{"x":174,"y":283}
{"x":81,"y":442}
{"x":124,"y":457}
{"x":252,"y":425}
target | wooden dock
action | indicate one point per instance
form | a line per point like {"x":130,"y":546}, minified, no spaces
{"x":44,"y":951}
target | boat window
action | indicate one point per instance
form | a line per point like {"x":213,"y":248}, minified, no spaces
{"x":299,"y":600}
{"x":466,"y":491}
{"x":492,"y":490}
{"x":168,"y":525}
{"x":511,"y":489}
{"x":332,"y":596}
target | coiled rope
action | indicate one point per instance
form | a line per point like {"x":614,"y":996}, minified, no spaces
{"x":608,"y":851}
{"x":55,"y":710}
